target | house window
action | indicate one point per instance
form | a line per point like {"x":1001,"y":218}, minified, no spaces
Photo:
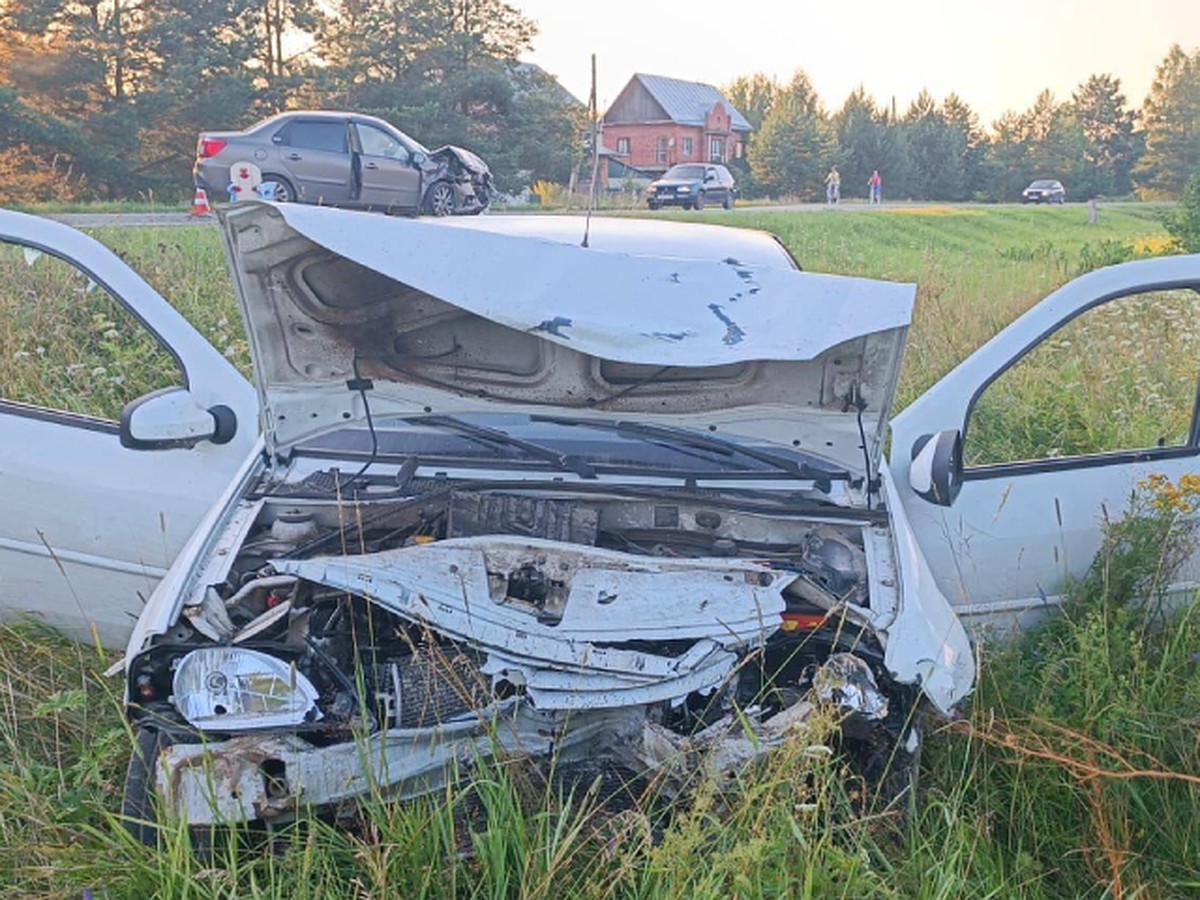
{"x":687,"y":148}
{"x":716,"y":149}
{"x":661,"y":150}
{"x":622,"y":146}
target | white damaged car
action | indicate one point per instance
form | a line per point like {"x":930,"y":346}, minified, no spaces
{"x":622,"y":504}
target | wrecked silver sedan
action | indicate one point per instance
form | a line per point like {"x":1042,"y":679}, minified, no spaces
{"x":619,"y":504}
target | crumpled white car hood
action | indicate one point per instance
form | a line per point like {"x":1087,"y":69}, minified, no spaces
{"x":712,"y":329}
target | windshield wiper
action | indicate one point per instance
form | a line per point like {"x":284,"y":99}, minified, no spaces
{"x":822,"y":478}
{"x":496,"y":437}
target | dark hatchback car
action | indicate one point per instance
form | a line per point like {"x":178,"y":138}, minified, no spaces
{"x":1044,"y":191}
{"x":346,"y":159}
{"x":692,"y":187}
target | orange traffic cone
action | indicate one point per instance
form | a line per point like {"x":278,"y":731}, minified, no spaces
{"x":200,"y":205}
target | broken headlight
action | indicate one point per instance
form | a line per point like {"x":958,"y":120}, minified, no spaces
{"x":230,"y":688}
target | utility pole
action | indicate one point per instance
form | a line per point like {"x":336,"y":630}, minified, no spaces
{"x":587,"y":227}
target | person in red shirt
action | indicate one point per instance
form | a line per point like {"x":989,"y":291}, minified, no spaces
{"x":875,"y":188}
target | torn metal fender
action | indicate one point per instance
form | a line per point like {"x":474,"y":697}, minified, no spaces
{"x":927,"y":644}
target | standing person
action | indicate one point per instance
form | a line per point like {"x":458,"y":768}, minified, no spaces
{"x":833,"y":186}
{"x":875,"y":188}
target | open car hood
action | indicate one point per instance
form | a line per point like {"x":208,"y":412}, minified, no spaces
{"x":689,"y":325}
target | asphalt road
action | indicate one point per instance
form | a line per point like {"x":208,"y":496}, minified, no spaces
{"x":159,"y":219}
{"x":130,"y":220}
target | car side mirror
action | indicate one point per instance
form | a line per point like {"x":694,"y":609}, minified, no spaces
{"x":710,"y":177}
{"x":419,"y":158}
{"x":935,"y":474}
{"x":170,"y":419}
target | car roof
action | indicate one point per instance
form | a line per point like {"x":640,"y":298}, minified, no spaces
{"x":330,"y":114}
{"x":642,"y":237}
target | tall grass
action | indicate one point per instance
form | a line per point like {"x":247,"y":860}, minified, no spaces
{"x":1072,"y":773}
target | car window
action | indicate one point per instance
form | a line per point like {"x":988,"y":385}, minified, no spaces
{"x":311,"y":135}
{"x":67,"y":344}
{"x":1121,"y":376}
{"x":377,"y":142}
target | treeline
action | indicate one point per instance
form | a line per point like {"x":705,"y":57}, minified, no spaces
{"x":104,"y":98}
{"x":1093,"y":142}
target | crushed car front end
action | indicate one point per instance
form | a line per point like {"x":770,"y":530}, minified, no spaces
{"x":343,"y":646}
{"x":468,"y":177}
{"x":650,"y":541}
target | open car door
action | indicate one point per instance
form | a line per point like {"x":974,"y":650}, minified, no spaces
{"x":119,"y":426}
{"x":1008,"y":467}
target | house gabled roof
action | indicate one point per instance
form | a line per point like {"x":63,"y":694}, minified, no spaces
{"x":688,"y":102}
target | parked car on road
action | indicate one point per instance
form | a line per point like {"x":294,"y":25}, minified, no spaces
{"x":692,"y":186}
{"x":1044,"y":191}
{"x":350,"y":160}
{"x":624,"y":503}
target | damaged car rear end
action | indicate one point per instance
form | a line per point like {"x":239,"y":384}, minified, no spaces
{"x":620,"y":505}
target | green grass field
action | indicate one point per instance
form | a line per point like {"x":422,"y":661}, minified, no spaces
{"x":1073,"y":773}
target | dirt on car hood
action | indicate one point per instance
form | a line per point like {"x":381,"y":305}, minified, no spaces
{"x":511,"y":314}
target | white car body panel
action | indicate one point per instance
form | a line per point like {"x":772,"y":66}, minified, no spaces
{"x":639,"y":309}
{"x":1000,"y":552}
{"x":310,"y":285}
{"x":87,"y":526}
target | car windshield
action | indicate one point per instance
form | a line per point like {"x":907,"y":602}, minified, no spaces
{"x":685,"y":172}
{"x":1044,"y":185}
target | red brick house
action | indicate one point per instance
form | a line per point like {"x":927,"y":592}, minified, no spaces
{"x":656,"y":122}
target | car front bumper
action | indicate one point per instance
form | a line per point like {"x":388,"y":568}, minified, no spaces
{"x":272,"y":776}
{"x":670,"y":199}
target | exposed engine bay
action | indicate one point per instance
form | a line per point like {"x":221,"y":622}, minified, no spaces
{"x":456,"y":621}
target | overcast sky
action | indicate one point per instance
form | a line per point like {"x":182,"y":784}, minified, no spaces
{"x":995,"y":55}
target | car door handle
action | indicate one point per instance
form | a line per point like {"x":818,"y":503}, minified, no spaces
{"x":294,"y":156}
{"x":370,"y":166}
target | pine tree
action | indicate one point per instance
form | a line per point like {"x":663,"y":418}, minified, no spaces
{"x":753,"y":95}
{"x":1113,"y":147}
{"x":796,"y":144}
{"x":1171,"y":120}
{"x":937,"y":150}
